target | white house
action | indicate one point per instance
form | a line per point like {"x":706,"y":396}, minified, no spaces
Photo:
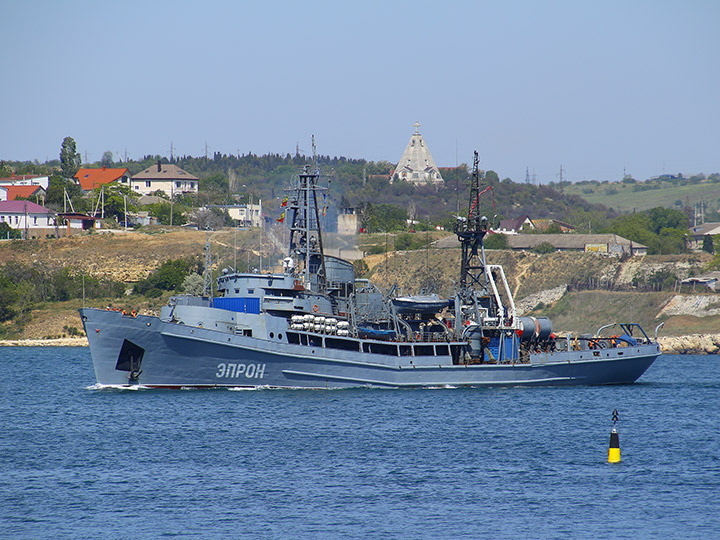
{"x":26,"y":180}
{"x":247,"y":215}
{"x":26,"y":216}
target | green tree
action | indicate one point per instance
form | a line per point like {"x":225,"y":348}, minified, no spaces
{"x":5,"y":169}
{"x":672,"y":240}
{"x":57,"y":185}
{"x":708,"y":244}
{"x":193,"y":284}
{"x":384,"y":217}
{"x":8,"y":233}
{"x":162,"y":212}
{"x":8,"y":296}
{"x":115,"y":200}
{"x":545,"y":247}
{"x":495,"y":241}
{"x":663,"y":218}
{"x":70,"y":159}
{"x":217,"y":183}
{"x":107,"y":158}
{"x":553,"y":228}
{"x":491,"y":177}
{"x":168,"y":277}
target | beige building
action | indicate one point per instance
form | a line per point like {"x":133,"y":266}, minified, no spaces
{"x":170,"y":179}
{"x":348,"y":222}
{"x":416,"y":164}
{"x":246,"y":215}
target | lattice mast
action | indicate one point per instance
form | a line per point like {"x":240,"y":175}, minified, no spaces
{"x":470,"y":232}
{"x":305,"y":233}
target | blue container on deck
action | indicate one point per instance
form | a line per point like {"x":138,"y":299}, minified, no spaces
{"x":238,"y":304}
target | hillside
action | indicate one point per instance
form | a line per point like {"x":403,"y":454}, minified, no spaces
{"x":632,"y":196}
{"x":131,"y":257}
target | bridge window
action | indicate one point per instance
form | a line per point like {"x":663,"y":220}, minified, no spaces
{"x":380,"y":348}
{"x":344,"y":344}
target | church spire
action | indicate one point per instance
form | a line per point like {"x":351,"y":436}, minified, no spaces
{"x":416,"y":164}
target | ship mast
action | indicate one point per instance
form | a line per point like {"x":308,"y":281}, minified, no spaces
{"x":470,"y":232}
{"x":305,"y":232}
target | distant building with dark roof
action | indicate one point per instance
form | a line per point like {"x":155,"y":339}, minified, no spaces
{"x":514,"y":226}
{"x":698,"y":233}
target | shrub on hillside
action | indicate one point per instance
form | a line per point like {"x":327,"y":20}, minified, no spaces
{"x":407,"y":241}
{"x":361,"y":268}
{"x":495,"y":241}
{"x":545,"y":247}
{"x":168,"y":277}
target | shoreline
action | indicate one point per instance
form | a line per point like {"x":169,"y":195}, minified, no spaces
{"x":690,"y":344}
{"x":59,"y":342}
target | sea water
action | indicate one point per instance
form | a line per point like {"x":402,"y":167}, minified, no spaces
{"x":81,"y":462}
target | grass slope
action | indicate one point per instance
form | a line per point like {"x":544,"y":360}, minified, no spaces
{"x":627,"y":200}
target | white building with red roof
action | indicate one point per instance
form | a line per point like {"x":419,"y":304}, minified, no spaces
{"x":10,"y":193}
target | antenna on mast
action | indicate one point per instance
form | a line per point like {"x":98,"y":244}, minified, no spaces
{"x":314,"y":152}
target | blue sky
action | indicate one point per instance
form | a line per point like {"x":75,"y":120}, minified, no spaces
{"x":597,"y":87}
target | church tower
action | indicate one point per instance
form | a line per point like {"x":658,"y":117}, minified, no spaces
{"x":416,"y":164}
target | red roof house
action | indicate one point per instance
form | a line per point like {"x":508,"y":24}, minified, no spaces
{"x":90,"y":179}
{"x":10,"y":193}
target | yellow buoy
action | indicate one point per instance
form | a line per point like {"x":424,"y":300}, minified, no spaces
{"x":614,"y":451}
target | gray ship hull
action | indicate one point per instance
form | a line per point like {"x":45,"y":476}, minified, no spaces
{"x":171,"y":355}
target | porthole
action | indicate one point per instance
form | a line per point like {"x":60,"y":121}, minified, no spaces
{"x":272,"y":335}
{"x":279,"y":336}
